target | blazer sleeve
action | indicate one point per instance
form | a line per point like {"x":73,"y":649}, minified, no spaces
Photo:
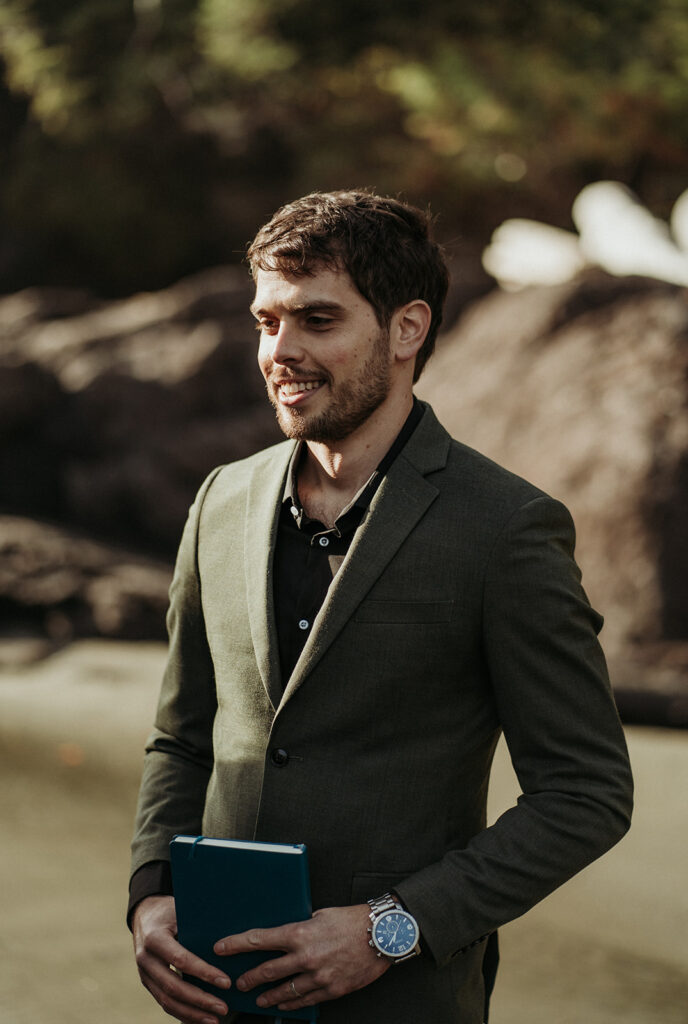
{"x":550,"y":684}
{"x":179,"y":751}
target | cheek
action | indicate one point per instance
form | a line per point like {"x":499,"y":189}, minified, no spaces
{"x":345,"y":358}
{"x":264,"y":360}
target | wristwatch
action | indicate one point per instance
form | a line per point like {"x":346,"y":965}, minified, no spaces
{"x":394,"y":933}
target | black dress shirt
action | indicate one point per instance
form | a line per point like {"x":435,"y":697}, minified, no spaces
{"x":308,"y":555}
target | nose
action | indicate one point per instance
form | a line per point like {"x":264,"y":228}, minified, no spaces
{"x":284,"y":345}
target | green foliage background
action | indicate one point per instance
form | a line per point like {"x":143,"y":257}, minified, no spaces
{"x":143,"y":139}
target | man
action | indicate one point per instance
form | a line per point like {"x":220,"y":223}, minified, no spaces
{"x":355,"y":616}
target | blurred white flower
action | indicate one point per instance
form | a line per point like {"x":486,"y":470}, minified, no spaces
{"x":524,"y":252}
{"x":620,"y":235}
{"x":679,"y":221}
{"x":616,"y":233}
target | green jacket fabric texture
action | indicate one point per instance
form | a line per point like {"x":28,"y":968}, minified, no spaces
{"x":457,"y":614}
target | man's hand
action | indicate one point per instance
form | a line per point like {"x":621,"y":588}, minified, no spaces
{"x":324,"y":958}
{"x":157,"y":952}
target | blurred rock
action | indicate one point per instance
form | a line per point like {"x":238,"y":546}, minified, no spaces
{"x":112,"y":414}
{"x":581,"y":388}
{"x":28,"y":395}
{"x":32,"y":403}
{"x":57,"y":584}
{"x":32,"y":304}
{"x":651,"y":684}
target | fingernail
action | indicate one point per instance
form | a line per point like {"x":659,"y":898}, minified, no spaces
{"x":219,"y":1009}
{"x":208,"y":1020}
{"x":219,"y":947}
{"x":222,"y":982}
{"x":262,"y":1001}
{"x":241,"y":984}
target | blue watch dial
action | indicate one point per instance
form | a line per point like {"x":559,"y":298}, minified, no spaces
{"x":395,"y":933}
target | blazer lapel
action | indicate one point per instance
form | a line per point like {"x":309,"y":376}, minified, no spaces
{"x":263,"y":504}
{"x":401,"y":500}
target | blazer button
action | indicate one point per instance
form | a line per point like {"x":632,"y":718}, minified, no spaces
{"x":279,"y":757}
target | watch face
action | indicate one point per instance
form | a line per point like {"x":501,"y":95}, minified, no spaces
{"x":395,"y":933}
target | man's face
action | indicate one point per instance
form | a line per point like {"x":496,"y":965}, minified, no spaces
{"x":325,"y":359}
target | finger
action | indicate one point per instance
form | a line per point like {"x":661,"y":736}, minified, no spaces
{"x":269,"y":970}
{"x":294,"y":991}
{"x":317,"y":995}
{"x":280,"y":939}
{"x":169,"y":985}
{"x":185,"y":1013}
{"x":167,"y":950}
{"x":184,"y":1001}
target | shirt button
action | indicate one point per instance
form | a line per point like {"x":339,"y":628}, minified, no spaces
{"x":279,"y":757}
{"x":323,"y":542}
{"x":304,"y":624}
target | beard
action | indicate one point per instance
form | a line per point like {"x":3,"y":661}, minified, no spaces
{"x":350,"y":405}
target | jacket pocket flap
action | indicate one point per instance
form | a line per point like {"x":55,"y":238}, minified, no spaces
{"x":404,"y":611}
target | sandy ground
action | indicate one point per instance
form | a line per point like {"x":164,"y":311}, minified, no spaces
{"x":609,"y":947}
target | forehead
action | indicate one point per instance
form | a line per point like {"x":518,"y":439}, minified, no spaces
{"x":324,"y":287}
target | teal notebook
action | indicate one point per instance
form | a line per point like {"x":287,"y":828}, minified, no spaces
{"x":226,"y":886}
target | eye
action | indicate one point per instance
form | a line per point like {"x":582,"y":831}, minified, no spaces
{"x":266,"y":326}
{"x":319,"y":323}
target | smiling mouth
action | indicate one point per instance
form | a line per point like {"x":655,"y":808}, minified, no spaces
{"x":294,"y":387}
{"x":292,"y":392}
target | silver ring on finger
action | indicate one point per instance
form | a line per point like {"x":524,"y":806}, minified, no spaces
{"x":294,"y":990}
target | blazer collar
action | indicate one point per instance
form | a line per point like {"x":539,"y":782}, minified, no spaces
{"x":427,"y":449}
{"x":263,"y":501}
{"x":401,"y":500}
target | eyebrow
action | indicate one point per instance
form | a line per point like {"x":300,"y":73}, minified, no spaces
{"x":314,"y":306}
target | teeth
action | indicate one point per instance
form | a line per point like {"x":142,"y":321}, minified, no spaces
{"x":294,"y":387}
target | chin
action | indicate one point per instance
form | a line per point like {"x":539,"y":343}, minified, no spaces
{"x":320,"y":429}
{"x":344,"y":413}
{"x":309,"y":428}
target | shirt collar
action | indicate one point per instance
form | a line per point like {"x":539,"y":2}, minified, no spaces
{"x":361,"y":500}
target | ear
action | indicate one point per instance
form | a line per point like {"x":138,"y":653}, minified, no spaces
{"x":408,"y":329}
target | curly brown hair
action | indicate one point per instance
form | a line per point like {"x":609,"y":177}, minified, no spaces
{"x":383,"y":244}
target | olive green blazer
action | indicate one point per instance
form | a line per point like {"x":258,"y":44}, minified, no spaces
{"x":457,"y":614}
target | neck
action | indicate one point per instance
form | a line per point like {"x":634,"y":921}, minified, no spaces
{"x":332,"y":472}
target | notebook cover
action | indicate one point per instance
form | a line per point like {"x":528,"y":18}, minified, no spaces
{"x":222,"y":887}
